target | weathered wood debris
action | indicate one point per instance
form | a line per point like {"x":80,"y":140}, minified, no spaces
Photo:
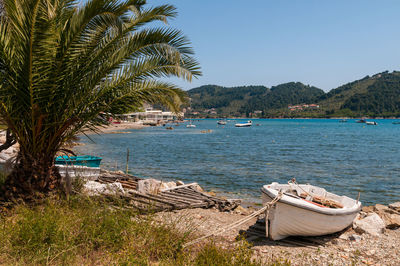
{"x":174,"y":198}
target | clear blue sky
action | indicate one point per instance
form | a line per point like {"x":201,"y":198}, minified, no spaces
{"x":265,"y":42}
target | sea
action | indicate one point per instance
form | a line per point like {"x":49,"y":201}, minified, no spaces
{"x":343,"y":157}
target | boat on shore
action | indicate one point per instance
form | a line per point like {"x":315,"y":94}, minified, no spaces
{"x":306,"y":210}
{"x":79,"y":166}
{"x":371,"y":123}
{"x":247,"y":124}
{"x":82,"y":160}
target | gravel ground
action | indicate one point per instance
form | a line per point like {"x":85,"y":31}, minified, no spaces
{"x":335,"y":249}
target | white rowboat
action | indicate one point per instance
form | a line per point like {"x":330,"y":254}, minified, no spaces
{"x":294,"y":216}
{"x":248,"y":124}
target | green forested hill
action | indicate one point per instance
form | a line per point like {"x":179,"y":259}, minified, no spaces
{"x":239,"y":101}
{"x":381,"y":98}
{"x":378,"y":95}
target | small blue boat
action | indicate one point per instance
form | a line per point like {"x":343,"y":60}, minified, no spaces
{"x":83,"y":160}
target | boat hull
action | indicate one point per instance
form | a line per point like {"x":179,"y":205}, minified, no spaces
{"x":90,"y":173}
{"x":285,"y":220}
{"x":242,"y":125}
{"x":83,"y":160}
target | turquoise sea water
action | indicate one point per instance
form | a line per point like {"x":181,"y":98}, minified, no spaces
{"x":345,"y":158}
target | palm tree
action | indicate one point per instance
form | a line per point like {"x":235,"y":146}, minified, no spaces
{"x":62,"y":64}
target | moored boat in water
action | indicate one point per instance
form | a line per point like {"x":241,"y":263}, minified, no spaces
{"x":371,"y":123}
{"x":221,"y":122}
{"x":247,"y":124}
{"x":306,"y":210}
{"x":190,"y":124}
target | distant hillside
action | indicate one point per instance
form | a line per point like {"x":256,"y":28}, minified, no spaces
{"x":378,"y":95}
{"x":240,"y":101}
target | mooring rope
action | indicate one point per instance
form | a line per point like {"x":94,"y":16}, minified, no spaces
{"x":237,"y":223}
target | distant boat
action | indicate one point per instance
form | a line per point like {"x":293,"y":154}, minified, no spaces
{"x":169,"y":128}
{"x":343,"y":121}
{"x":305,"y":210}
{"x":190,"y":124}
{"x":248,"y":124}
{"x":221,"y":122}
{"x":396,"y":123}
{"x":361,"y":121}
{"x":372,"y":123}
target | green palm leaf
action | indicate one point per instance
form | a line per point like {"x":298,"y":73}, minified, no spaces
{"x":62,"y":64}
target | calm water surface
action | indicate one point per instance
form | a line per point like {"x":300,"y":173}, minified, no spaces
{"x":345,"y":158}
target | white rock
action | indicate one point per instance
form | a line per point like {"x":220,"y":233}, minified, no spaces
{"x":165,"y":185}
{"x":151,"y":186}
{"x":355,"y":237}
{"x":197,"y":187}
{"x":179,"y":183}
{"x":395,"y":206}
{"x":372,"y":224}
{"x":96,"y":188}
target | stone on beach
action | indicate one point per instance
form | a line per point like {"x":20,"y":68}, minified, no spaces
{"x":149,"y":186}
{"x":372,"y":224}
{"x":390,"y":216}
{"x":165,"y":185}
{"x":395,"y":206}
{"x":179,"y":183}
{"x":95,"y":188}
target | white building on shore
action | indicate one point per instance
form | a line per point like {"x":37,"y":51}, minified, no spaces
{"x":151,"y":116}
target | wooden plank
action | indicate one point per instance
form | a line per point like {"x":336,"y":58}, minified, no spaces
{"x":189,"y":193}
{"x":178,"y":187}
{"x":146,"y":196}
{"x":177,"y":201}
{"x":180,"y":199}
{"x":194,"y":197}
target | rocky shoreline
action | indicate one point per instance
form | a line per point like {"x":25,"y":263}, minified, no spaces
{"x":373,"y":239}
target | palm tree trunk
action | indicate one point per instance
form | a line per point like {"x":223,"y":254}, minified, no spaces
{"x":32,"y":178}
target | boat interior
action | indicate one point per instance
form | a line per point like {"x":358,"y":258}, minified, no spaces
{"x":313,"y":194}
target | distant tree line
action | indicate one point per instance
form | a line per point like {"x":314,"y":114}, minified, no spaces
{"x":377,"y":95}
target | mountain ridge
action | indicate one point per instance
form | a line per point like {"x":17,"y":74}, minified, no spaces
{"x":376,"y":95}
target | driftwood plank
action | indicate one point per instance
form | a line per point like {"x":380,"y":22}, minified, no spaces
{"x":189,"y":196}
{"x":182,"y":199}
{"x":154,"y":198}
{"x":179,"y":187}
{"x":177,"y":201}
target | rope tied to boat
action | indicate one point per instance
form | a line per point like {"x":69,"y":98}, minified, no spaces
{"x":267,"y":206}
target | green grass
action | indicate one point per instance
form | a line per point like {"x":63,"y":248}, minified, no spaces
{"x":97,"y":231}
